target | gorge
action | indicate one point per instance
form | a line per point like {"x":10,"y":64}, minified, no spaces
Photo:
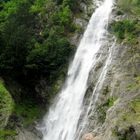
{"x":70,"y":70}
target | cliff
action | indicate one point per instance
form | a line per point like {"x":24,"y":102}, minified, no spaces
{"x":116,"y":113}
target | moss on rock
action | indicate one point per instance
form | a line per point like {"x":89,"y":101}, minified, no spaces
{"x":6,"y":107}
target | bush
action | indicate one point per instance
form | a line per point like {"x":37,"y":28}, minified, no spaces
{"x":127,"y":30}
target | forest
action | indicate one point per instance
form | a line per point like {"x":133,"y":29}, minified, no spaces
{"x":34,"y":38}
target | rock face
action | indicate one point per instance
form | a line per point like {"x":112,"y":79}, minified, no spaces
{"x":26,"y":135}
{"x":115,"y":115}
{"x":90,"y":136}
{"x":81,"y":21}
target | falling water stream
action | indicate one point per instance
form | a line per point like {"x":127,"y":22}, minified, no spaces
{"x":61,"y":121}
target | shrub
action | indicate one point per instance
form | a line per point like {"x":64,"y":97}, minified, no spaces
{"x":126,"y":29}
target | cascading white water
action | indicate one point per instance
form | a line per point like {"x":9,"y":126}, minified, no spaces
{"x":62,"y":119}
{"x":96,"y":93}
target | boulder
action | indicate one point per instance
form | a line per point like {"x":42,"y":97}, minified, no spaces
{"x":88,"y":136}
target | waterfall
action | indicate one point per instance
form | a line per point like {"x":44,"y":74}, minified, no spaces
{"x":62,"y":119}
{"x":96,"y":92}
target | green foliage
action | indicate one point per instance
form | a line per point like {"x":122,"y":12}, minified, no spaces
{"x":124,"y":134}
{"x":128,"y":119}
{"x":71,"y":3}
{"x":122,"y":28}
{"x":127,"y":30}
{"x":135,"y":104}
{"x":16,"y":34}
{"x":134,"y":116}
{"x":33,"y":38}
{"x":135,"y":85}
{"x":106,"y":90}
{"x":102,"y":108}
{"x":110,"y":102}
{"x":5,"y":133}
{"x":130,"y":6}
{"x":27,"y":111}
{"x":6,"y":105}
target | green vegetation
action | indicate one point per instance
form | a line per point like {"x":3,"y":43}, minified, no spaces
{"x":135,"y":85}
{"x":6,"y":108}
{"x":106,"y":90}
{"x":102,"y":108}
{"x":19,"y":114}
{"x":124,"y":129}
{"x":34,"y":43}
{"x":34,"y":39}
{"x":127,"y":30}
{"x":27,"y":112}
{"x":124,"y":134}
{"x":134,"y":116}
{"x":130,"y":6}
{"x":5,"y":133}
{"x":6,"y":105}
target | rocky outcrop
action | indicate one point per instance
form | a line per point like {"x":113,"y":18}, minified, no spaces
{"x":81,"y":20}
{"x":116,"y":113}
{"x":90,"y":136}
